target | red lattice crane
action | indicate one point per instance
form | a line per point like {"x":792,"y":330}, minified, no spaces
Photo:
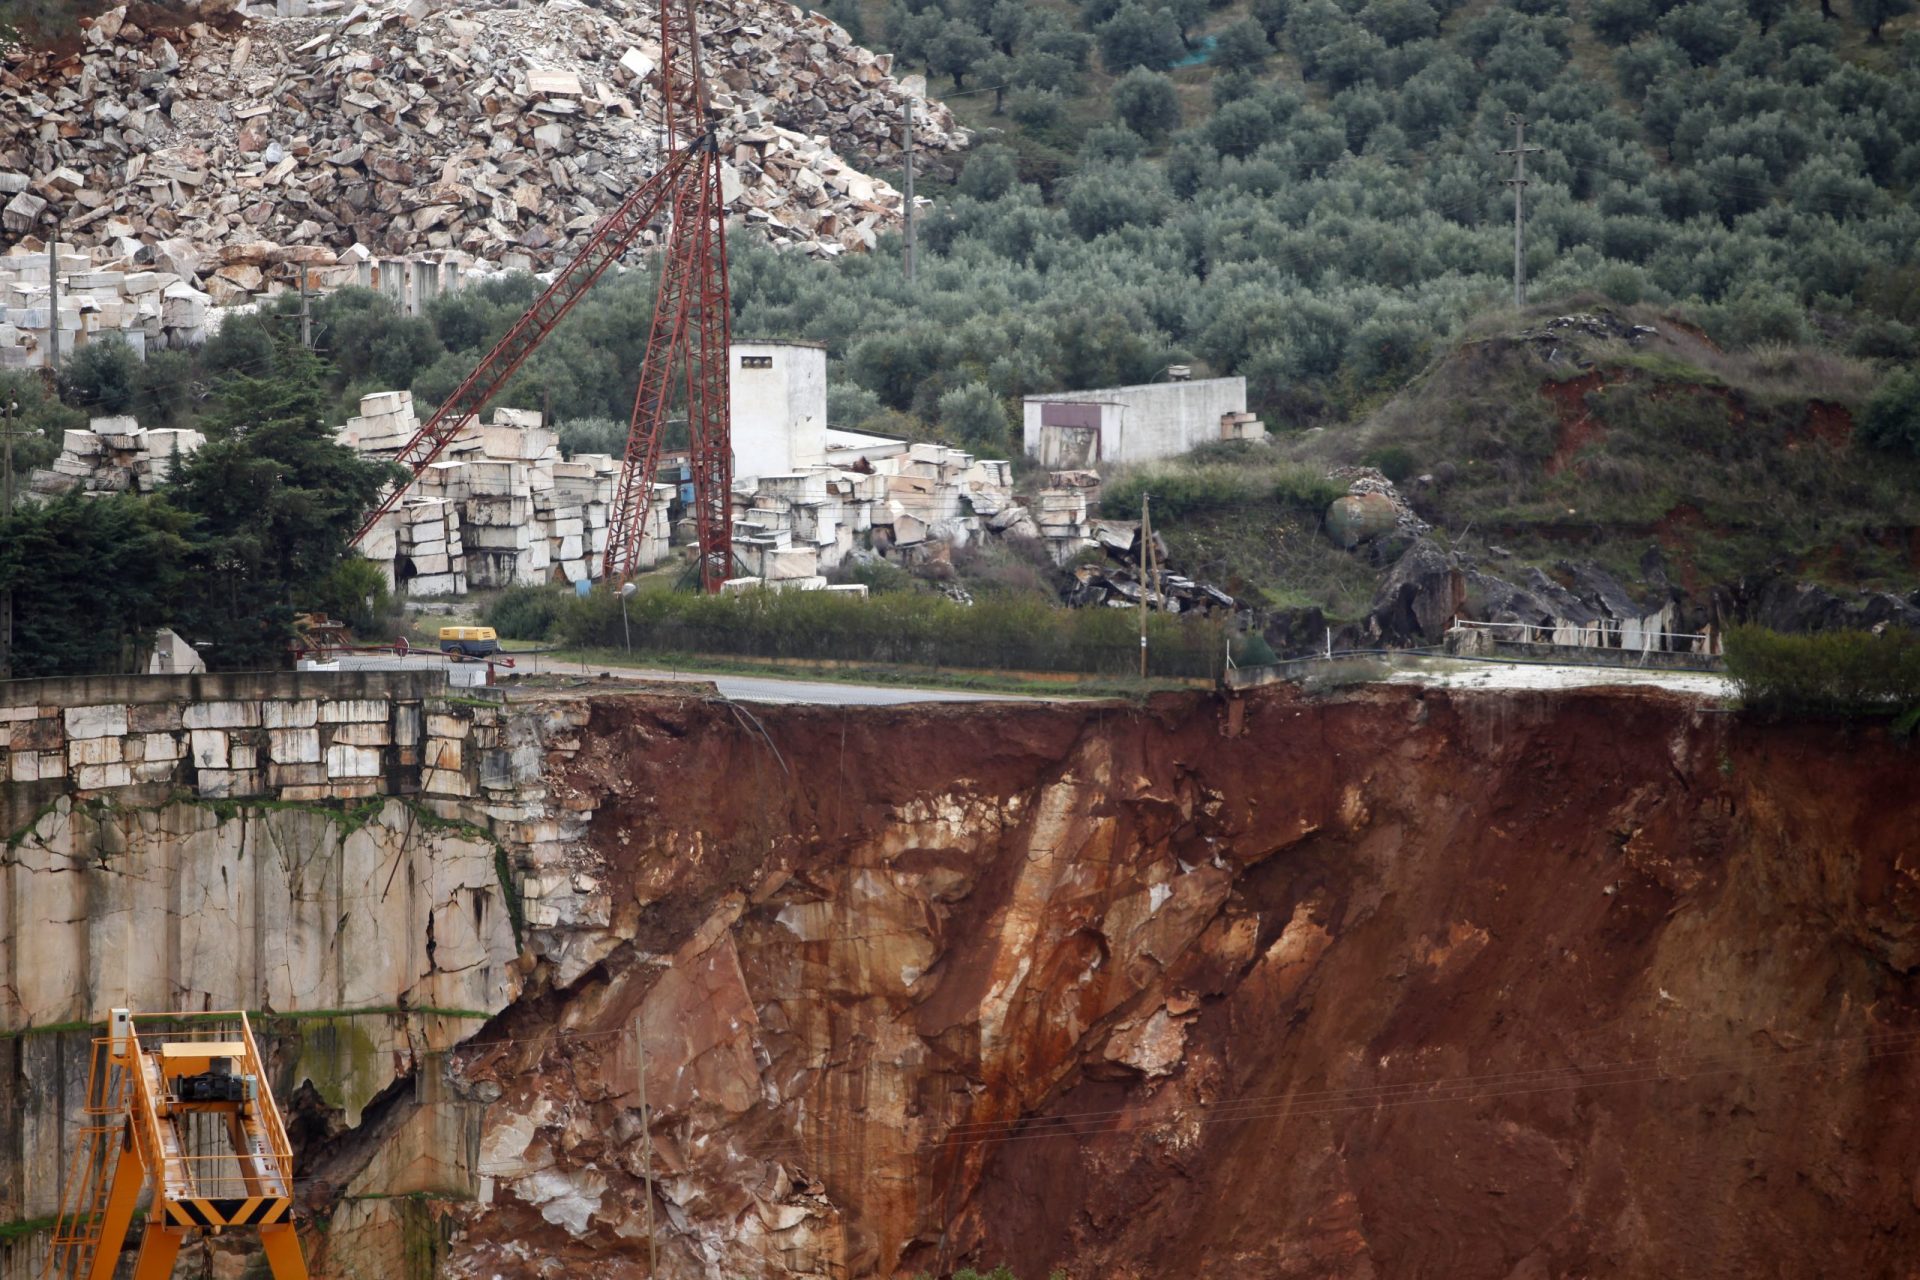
{"x":692,"y":326}
{"x":692,"y":331}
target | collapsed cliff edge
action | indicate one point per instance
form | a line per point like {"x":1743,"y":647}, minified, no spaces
{"x":1392,"y":983}
{"x":1385,"y":982}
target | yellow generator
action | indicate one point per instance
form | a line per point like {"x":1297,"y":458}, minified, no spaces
{"x":186,"y":1115}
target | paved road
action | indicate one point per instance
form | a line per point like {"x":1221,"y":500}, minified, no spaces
{"x":1442,"y":672}
{"x":740,"y":688}
{"x":824,"y":692}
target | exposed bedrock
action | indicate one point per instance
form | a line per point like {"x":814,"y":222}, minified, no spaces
{"x":1393,"y":983}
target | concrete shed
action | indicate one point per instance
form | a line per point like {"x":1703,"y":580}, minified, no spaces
{"x":1069,"y":430}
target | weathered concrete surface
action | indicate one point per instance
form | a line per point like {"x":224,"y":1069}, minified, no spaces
{"x":1105,"y":988}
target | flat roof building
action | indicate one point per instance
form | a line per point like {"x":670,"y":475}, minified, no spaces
{"x":1071,"y":430}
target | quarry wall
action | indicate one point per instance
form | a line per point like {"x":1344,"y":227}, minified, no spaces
{"x":337,"y":854}
{"x":1384,"y":981}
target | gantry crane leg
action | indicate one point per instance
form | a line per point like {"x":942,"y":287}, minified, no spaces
{"x":158,"y":1249}
{"x":129,"y":1176}
{"x":176,"y":1093}
{"x":283,"y":1252}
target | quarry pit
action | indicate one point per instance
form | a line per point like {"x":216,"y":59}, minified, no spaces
{"x":1388,"y":980}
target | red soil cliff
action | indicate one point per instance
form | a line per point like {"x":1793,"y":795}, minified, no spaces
{"x":1396,"y":983}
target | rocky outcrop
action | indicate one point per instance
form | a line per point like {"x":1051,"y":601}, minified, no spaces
{"x":1419,"y":598}
{"x":1782,"y":603}
{"x":1429,"y":588}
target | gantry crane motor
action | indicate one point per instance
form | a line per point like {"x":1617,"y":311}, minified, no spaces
{"x":186,"y":1114}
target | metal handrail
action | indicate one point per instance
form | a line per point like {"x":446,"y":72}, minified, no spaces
{"x":276,"y":1128}
{"x":1608,"y":627}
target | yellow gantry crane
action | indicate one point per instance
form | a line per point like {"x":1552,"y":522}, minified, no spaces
{"x":186,"y":1116}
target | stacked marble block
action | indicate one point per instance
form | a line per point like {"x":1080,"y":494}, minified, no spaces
{"x":113,"y":455}
{"x":432,"y":547}
{"x":788,"y":529}
{"x":102,"y":294}
{"x":298,"y":749}
{"x":500,"y":504}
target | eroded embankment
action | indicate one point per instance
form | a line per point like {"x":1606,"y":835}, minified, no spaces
{"x":1110,"y":989}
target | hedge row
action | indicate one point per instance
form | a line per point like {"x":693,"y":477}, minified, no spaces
{"x":904,"y":629}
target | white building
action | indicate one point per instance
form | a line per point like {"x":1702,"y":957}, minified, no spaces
{"x":1071,"y":430}
{"x":779,"y":404}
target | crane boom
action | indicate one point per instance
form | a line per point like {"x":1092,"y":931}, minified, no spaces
{"x":612,"y":238}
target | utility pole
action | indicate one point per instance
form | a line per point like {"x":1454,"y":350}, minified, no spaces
{"x":1518,"y":182}
{"x":53,"y":297}
{"x":646,"y":1139}
{"x":6,"y":476}
{"x":306,"y":317}
{"x":909,"y":204}
{"x":7,"y":412}
{"x":1146,"y":571}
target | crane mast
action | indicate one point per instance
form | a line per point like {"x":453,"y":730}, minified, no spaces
{"x":692,"y":333}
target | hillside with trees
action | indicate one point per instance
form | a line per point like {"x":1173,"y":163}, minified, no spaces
{"x":1311,"y":193}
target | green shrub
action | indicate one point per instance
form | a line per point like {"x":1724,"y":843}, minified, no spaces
{"x":1854,"y":673}
{"x":1395,"y":462}
{"x":40,"y":421}
{"x":593,"y":435}
{"x":1007,"y":633}
{"x":1146,"y":103}
{"x":973,"y":416}
{"x":875,"y":575}
{"x":527,"y":613}
{"x":1185,"y":490}
{"x":991,"y":171}
{"x":102,"y":377}
{"x":1892,"y":419}
{"x":356,"y":593}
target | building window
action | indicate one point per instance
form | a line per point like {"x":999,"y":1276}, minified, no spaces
{"x":756,"y":362}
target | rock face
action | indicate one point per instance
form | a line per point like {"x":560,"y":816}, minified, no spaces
{"x":1388,"y":982}
{"x":1780,"y":603}
{"x":1392,"y":984}
{"x":416,"y":126}
{"x":1429,"y":587}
